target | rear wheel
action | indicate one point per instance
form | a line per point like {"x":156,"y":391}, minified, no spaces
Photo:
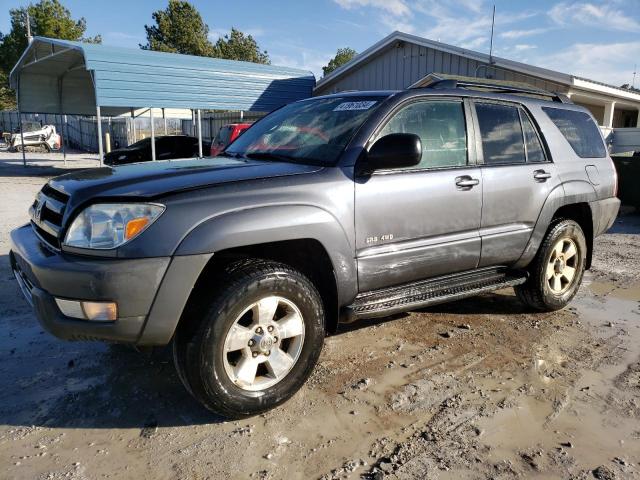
{"x":558,"y":268}
{"x":256,"y":342}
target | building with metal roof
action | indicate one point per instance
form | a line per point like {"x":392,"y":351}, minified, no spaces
{"x":65,"y":77}
{"x":401,"y":60}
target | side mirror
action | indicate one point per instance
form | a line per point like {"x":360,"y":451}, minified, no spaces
{"x":396,"y":150}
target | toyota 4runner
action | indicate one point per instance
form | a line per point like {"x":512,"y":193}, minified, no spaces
{"x":329,"y":209}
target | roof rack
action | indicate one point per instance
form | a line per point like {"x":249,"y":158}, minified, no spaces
{"x":497,"y":88}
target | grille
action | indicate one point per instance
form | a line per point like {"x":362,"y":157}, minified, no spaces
{"x":46,"y":214}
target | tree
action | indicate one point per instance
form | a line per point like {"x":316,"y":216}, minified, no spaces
{"x":7,"y":96}
{"x":343,"y":55}
{"x":48,"y":18}
{"x":179,"y":29}
{"x":238,"y":46}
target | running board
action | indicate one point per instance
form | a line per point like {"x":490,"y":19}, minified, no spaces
{"x":387,"y":301}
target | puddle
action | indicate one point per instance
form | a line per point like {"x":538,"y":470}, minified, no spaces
{"x":580,"y":419}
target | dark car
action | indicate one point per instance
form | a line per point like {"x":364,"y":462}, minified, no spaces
{"x":628,"y":169}
{"x":167,"y":148}
{"x":327,"y":210}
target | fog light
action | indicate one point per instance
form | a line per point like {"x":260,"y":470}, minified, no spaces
{"x":98,"y":311}
{"x":106,"y":311}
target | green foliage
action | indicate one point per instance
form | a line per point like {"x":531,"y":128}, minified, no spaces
{"x":343,"y":55}
{"x":7,"y":96}
{"x":238,"y":46}
{"x":179,"y":29}
{"x":48,"y":18}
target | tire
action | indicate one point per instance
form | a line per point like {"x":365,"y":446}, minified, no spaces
{"x":554,"y":278}
{"x":205,"y":354}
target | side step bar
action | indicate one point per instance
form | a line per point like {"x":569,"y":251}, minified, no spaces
{"x":387,"y":301}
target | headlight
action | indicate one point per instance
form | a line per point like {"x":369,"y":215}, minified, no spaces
{"x":109,"y":225}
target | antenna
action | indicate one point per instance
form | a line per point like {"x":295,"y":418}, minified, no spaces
{"x":493,"y":21}
{"x":29,"y":37}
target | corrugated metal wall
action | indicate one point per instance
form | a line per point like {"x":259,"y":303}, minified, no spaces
{"x":57,"y":76}
{"x":398,"y":67}
{"x":139,"y":78}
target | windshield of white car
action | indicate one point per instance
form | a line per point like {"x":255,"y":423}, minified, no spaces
{"x":312,"y":131}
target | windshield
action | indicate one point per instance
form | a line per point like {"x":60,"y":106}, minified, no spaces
{"x":313,"y":131}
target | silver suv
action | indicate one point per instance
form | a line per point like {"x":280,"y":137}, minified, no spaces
{"x":329,"y":209}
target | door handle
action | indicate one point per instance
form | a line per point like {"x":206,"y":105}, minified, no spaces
{"x":466,"y":182}
{"x":541,"y":175}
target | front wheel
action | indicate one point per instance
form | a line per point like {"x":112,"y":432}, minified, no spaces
{"x":556,"y":271}
{"x":257,"y":341}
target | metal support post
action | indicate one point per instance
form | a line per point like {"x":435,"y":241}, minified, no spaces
{"x":164,"y":117}
{"x":22,"y":145}
{"x":99,"y":121}
{"x":63,"y":126}
{"x":153,"y":136}
{"x":199,"y":134}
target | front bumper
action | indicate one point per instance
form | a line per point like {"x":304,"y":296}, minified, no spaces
{"x":44,"y":274}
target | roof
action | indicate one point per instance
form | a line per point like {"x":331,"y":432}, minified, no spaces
{"x":539,"y":72}
{"x":60,"y":76}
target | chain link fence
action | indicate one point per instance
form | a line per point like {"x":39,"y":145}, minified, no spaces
{"x":80,"y":132}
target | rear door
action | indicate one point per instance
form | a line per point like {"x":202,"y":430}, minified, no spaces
{"x":517,"y":179}
{"x":422,"y":221}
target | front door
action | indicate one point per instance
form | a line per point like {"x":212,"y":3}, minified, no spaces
{"x":424,"y":221}
{"x":517,"y":177}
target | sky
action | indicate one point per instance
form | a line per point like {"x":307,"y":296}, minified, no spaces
{"x":599,"y":40}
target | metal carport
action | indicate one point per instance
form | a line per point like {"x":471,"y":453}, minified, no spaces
{"x":65,"y":77}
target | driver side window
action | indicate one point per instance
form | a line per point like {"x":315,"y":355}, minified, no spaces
{"x":441,"y":128}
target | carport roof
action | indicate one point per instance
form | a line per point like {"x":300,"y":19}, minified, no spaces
{"x":60,"y":76}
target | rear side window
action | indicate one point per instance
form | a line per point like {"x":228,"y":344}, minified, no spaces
{"x":580,"y":130}
{"x":502,"y":140}
{"x":441,"y":128}
{"x":535,"y":153}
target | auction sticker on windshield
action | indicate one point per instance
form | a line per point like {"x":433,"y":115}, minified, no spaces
{"x":365,"y":105}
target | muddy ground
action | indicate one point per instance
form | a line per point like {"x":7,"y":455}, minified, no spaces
{"x":475,"y":389}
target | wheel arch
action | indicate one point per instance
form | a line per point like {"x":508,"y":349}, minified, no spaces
{"x":581,"y":214}
{"x":571,"y":199}
{"x":304,"y":237}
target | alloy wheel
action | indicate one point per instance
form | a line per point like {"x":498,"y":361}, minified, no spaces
{"x":264,"y":343}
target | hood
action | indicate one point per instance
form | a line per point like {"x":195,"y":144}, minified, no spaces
{"x":152,"y":179}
